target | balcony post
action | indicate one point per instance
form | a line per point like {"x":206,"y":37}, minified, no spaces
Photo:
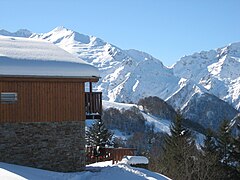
{"x":91,"y":98}
{"x":90,"y":87}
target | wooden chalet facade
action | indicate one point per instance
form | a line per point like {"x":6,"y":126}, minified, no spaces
{"x":43,"y":105}
{"x":44,"y":99}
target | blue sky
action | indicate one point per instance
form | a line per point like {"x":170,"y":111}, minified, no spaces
{"x":166,"y":29}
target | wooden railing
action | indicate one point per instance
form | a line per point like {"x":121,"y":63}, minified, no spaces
{"x":93,"y":105}
{"x":106,"y":154}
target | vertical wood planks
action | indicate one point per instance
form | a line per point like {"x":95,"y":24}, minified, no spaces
{"x":40,"y":101}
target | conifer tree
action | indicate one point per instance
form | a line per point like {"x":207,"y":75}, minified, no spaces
{"x":224,"y":142}
{"x":98,"y":135}
{"x":226,"y":146}
{"x":236,"y":154}
{"x":236,"y":145}
{"x":208,"y":159}
{"x":209,"y":146}
{"x":178,"y":152}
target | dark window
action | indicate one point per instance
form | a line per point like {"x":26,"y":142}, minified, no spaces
{"x":8,"y":97}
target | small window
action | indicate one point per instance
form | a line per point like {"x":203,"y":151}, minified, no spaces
{"x":8,"y":97}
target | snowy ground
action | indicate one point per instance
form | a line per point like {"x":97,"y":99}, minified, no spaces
{"x":98,"y":171}
{"x":108,"y":104}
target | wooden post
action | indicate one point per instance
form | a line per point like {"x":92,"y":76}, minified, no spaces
{"x":90,"y":87}
{"x":91,"y":99}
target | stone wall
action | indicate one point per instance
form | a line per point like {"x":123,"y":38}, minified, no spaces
{"x":56,"y":146}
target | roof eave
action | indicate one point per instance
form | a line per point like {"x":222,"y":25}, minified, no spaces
{"x":82,"y":78}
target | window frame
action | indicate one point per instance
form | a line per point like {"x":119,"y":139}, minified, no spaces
{"x":8,"y":97}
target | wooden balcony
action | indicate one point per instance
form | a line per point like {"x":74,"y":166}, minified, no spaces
{"x":107,"y":154}
{"x":93,"y":105}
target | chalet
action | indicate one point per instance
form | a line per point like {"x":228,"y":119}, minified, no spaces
{"x":43,"y":105}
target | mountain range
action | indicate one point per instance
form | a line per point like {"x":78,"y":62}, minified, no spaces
{"x":205,"y":86}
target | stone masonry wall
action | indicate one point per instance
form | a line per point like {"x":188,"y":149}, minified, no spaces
{"x":56,"y":146}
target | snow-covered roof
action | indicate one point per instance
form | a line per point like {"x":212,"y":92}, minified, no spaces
{"x":28,"y":57}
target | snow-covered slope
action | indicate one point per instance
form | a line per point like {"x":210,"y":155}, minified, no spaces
{"x":99,"y":171}
{"x":216,"y":70}
{"x":149,"y":78}
{"x":180,"y":98}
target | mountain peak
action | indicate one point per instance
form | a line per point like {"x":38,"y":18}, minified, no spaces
{"x":61,"y":28}
{"x":232,"y":49}
{"x":63,"y":37}
{"x":140,"y":56}
{"x":4,"y":32}
{"x":19,"y":33}
{"x":23,"y":33}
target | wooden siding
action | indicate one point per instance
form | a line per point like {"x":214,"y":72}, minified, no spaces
{"x":43,"y":100}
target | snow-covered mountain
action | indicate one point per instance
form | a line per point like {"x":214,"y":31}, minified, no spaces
{"x":128,"y":75}
{"x":218,"y":71}
{"x":20,"y":33}
{"x":125,"y":73}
